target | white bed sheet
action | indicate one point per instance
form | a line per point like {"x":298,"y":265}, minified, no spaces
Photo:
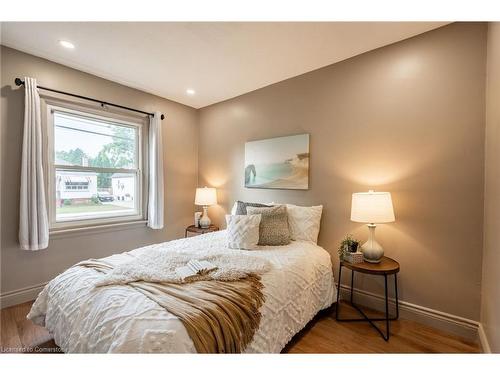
{"x":118,"y":319}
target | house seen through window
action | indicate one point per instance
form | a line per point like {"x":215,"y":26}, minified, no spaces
{"x":95,"y":168}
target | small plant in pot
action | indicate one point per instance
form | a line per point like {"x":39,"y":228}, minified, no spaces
{"x":348,"y":244}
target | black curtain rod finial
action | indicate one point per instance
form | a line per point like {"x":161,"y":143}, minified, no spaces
{"x":20,"y":82}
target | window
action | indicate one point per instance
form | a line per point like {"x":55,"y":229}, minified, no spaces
{"x":95,"y":168}
{"x":70,"y":184}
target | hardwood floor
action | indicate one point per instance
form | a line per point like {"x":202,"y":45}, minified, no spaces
{"x":322,"y":335}
{"x":20,"y":335}
{"x":325,"y":335}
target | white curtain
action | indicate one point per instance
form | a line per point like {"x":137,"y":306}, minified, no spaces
{"x":33,"y":222}
{"x":155,"y":203}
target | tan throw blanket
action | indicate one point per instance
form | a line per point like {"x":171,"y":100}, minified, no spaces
{"x":219,"y":316}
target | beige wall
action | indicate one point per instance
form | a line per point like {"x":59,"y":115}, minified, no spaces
{"x":22,"y":269}
{"x":490,"y":300}
{"x":406,"y":118}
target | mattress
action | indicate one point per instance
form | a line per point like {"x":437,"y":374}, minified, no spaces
{"x":119,"y":319}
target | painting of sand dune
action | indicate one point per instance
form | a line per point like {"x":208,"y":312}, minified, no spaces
{"x":278,"y":163}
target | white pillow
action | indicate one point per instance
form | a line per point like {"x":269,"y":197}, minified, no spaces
{"x":243,"y":231}
{"x":304,"y":222}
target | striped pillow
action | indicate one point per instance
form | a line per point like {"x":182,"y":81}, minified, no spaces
{"x":241,"y":208}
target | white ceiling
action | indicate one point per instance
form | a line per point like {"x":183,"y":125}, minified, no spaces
{"x":218,"y":60}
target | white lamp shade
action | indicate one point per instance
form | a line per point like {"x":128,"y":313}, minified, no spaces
{"x":205,"y":196}
{"x":372,"y":207}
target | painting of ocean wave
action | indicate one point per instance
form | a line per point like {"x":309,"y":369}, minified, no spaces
{"x":278,"y":163}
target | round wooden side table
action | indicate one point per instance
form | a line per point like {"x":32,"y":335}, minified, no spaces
{"x":387,"y":266}
{"x":199,"y":230}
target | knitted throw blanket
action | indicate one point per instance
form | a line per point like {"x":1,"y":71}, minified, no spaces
{"x":220,"y":311}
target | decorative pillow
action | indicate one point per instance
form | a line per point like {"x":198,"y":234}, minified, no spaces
{"x":235,"y":207}
{"x":243,"y":231}
{"x":304,"y":222}
{"x":273,"y":229}
{"x":242,"y":207}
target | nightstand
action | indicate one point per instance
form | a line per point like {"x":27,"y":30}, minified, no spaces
{"x":386,"y":267}
{"x":195,"y":231}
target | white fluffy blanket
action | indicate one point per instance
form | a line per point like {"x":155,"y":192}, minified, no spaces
{"x":158,"y":265}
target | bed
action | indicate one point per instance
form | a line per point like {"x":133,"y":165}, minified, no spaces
{"x":84,"y":318}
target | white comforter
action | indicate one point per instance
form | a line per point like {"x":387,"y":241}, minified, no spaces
{"x":83,"y":318}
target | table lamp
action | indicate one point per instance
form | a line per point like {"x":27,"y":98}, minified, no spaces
{"x":205,"y":197}
{"x":372,"y":208}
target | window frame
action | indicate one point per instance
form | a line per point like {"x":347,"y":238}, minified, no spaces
{"x":141,"y":171}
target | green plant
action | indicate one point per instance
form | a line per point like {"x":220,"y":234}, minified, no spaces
{"x":67,"y":202}
{"x":95,"y":199}
{"x":348,"y":244}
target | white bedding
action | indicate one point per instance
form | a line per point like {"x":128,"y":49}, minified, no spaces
{"x":110,"y":319}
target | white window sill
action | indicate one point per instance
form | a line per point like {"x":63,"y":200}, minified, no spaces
{"x":100,"y":228}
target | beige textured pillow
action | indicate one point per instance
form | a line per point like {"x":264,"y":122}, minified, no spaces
{"x":273,"y":229}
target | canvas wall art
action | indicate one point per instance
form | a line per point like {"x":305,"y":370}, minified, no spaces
{"x":278,"y":163}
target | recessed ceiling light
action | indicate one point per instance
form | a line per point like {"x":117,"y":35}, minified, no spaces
{"x":190,"y":92}
{"x":66,"y":44}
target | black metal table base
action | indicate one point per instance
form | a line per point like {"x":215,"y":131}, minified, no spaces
{"x":385,"y":335}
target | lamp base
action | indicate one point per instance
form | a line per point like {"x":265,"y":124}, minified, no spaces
{"x":372,"y":251}
{"x":205,"y":220}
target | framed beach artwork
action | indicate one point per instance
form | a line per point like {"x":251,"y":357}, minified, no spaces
{"x":278,"y":163}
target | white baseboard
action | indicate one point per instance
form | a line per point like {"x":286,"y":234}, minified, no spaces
{"x":454,"y":324}
{"x":483,"y":339}
{"x":18,"y":296}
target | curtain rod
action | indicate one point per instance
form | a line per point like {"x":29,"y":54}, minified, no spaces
{"x":19,"y":82}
